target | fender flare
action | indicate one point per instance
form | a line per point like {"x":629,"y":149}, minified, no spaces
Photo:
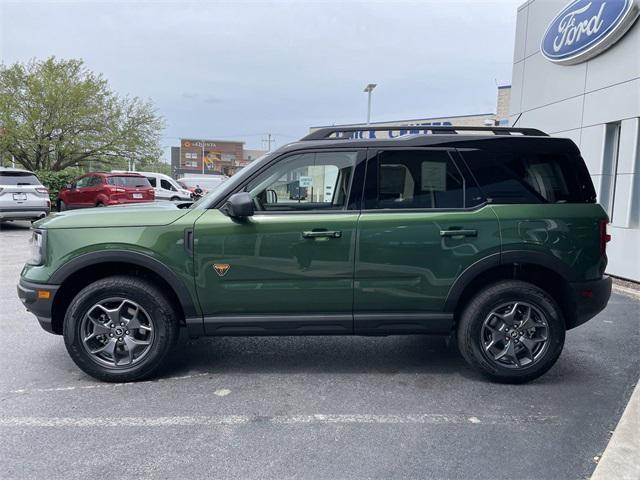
{"x":135,"y":258}
{"x":509,"y":257}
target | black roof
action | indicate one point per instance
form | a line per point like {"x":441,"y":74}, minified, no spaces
{"x":487,"y":138}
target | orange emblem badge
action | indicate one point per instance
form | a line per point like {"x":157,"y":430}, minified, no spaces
{"x":221,"y":268}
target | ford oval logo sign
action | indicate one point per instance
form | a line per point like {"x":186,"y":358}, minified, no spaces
{"x":586,"y":28}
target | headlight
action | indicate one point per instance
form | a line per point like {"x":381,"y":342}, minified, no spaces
{"x":38,"y":246}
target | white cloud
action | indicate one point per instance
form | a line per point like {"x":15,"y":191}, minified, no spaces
{"x":219,"y":69}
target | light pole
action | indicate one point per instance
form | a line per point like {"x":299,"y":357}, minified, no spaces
{"x":368,"y":89}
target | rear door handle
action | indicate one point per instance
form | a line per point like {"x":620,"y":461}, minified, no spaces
{"x":322,"y":234}
{"x":458,"y":233}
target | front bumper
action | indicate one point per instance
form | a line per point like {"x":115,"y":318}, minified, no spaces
{"x":590,"y":299}
{"x":38,"y":299}
{"x":27,"y":213}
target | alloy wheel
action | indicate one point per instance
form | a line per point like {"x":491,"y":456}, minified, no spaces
{"x":515,"y":335}
{"x":117,"y":332}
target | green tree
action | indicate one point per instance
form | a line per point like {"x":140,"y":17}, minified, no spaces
{"x":56,"y":114}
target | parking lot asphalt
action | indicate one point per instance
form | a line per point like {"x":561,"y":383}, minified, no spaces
{"x":307,"y":407}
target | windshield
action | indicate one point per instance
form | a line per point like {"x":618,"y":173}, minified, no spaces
{"x":129,"y":181}
{"x":18,"y":178}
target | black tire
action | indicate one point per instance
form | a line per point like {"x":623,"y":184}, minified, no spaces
{"x":162,"y":316}
{"x":61,"y":206}
{"x":99,"y":204}
{"x":470,"y":331}
{"x":175,"y":199}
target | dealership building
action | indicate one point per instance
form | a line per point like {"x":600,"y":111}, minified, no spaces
{"x":576,"y":74}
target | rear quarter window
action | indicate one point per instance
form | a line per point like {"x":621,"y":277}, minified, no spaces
{"x":530,"y":177}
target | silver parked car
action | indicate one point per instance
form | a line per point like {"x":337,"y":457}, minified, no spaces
{"x":22,"y":196}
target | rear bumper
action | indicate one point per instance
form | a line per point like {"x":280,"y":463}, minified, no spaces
{"x":28,"y":292}
{"x":590,"y":299}
{"x":26,"y":213}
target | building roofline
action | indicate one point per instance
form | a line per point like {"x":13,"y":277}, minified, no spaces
{"x":210,"y":140}
{"x":443,"y":117}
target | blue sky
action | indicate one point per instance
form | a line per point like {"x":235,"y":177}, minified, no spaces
{"x":242,"y":69}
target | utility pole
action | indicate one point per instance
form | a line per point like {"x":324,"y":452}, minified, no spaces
{"x":368,"y":89}
{"x":268,"y":142}
{"x":203,"y":157}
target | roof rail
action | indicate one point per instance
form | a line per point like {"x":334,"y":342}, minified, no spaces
{"x":327,"y":133}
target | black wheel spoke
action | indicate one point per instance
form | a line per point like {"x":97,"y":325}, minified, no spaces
{"x":117,"y":332}
{"x":514,"y":335}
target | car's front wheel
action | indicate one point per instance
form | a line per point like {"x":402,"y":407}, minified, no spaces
{"x":511,"y":332}
{"x":120,"y":329}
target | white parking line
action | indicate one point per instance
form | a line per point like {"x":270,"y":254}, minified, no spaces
{"x":315,"y":419}
{"x":102,"y":385}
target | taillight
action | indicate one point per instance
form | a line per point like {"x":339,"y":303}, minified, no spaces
{"x":42,"y":190}
{"x":604,"y":236}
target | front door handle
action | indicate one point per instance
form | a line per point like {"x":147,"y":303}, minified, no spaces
{"x":322,"y":234}
{"x":458,"y":233}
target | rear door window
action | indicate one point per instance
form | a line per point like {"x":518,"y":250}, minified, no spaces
{"x":414,"y":179}
{"x":519,"y":177}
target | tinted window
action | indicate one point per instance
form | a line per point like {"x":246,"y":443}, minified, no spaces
{"x":309,"y":181}
{"x":83,"y":182}
{"x":166,"y":185}
{"x":18,"y":178}
{"x":531,"y":177}
{"x":128,"y":181}
{"x":413,"y":179}
{"x":152,"y":181}
{"x":94,"y":181}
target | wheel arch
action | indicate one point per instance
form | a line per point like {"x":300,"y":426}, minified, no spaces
{"x":540,"y":269}
{"x":74,"y":275}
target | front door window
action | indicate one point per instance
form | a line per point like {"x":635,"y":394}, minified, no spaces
{"x":310,"y":181}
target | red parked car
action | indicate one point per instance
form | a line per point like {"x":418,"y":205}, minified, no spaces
{"x":98,"y":189}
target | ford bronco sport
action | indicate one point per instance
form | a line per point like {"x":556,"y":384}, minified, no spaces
{"x":491,"y":235}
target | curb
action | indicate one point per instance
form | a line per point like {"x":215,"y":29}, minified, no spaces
{"x":621,"y":458}
{"x":629,"y":292}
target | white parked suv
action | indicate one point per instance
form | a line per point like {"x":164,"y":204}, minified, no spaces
{"x":22,"y":196}
{"x":166,"y":188}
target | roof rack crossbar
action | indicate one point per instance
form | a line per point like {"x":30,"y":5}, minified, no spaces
{"x":327,"y":132}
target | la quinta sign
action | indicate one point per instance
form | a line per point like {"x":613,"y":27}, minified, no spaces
{"x":586,"y":28}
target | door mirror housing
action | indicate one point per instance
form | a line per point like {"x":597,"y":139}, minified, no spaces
{"x":239,"y":205}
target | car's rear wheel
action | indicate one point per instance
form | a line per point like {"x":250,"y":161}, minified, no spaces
{"x":120,"y":329}
{"x":511,"y":332}
{"x":175,"y":199}
{"x":62,"y":206}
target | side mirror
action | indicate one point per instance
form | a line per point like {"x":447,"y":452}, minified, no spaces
{"x":239,"y":205}
{"x":272,"y":197}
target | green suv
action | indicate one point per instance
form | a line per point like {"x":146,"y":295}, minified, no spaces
{"x":490,"y":235}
